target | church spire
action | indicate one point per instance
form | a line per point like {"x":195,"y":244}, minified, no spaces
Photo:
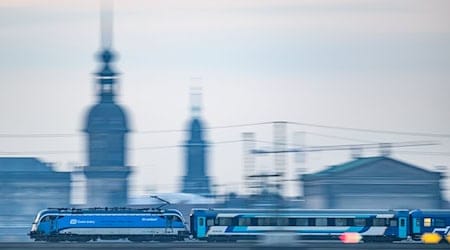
{"x":196,"y":99}
{"x":106,"y":23}
{"x":196,"y":179}
{"x":106,"y":77}
{"x":196,"y":96}
{"x":106,"y":129}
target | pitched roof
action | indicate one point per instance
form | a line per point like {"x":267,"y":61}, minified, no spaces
{"x":9,"y":164}
{"x":355,"y":164}
{"x":348,"y":165}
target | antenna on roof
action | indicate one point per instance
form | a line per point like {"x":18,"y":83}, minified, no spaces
{"x":160,"y":199}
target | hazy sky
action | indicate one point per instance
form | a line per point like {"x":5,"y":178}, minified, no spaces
{"x":354,"y":63}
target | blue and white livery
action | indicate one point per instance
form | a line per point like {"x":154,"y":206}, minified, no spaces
{"x":430,"y":221}
{"x":108,"y":223}
{"x":232,"y":224}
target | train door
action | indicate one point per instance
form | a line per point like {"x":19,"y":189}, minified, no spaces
{"x":415,"y":225}
{"x":402,"y":227}
{"x":201,"y":227}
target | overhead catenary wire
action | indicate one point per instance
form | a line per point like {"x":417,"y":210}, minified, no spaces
{"x":425,"y":153}
{"x":345,"y":147}
{"x":239,"y":125}
{"x":378,"y":131}
{"x":339,"y":137}
{"x":82,"y":151}
{"x":296,"y":148}
{"x":43,"y":135}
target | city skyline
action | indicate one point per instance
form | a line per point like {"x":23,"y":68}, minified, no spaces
{"x":259,"y":61}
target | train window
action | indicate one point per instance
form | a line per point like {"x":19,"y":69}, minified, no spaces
{"x":210,"y":222}
{"x":393,"y":223}
{"x":330,"y":222}
{"x":224,"y":221}
{"x":321,"y":222}
{"x":201,"y":221}
{"x":282,"y":222}
{"x":350,"y":222}
{"x":301,"y":222}
{"x":176,"y":218}
{"x":244,"y":221}
{"x":48,"y":218}
{"x":340,"y":221}
{"x":273,"y":221}
{"x":263,"y":221}
{"x":427,"y":222}
{"x":359,"y":222}
{"x":402,"y":222}
{"x":379,"y":222}
{"x":438,"y":222}
{"x":291,"y":221}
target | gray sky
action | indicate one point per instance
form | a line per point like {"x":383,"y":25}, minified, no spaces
{"x":353,"y":63}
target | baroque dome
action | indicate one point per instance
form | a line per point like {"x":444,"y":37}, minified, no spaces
{"x":106,"y":117}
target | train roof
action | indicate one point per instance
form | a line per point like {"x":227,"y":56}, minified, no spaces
{"x":105,"y":210}
{"x":299,"y":211}
{"x":432,"y":211}
{"x":112,"y":210}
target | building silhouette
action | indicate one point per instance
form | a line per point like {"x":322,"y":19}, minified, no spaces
{"x":373,"y":182}
{"x":106,"y":129}
{"x":196,"y":179}
{"x":28,"y":185}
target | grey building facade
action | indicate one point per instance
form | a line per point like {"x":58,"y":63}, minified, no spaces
{"x":373,"y":182}
{"x":28,"y":185}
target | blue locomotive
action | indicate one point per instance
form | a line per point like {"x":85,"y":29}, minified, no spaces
{"x":108,"y":223}
{"x":231,"y":224}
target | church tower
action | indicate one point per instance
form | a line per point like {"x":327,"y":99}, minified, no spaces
{"x":106,"y":129}
{"x":196,"y":179}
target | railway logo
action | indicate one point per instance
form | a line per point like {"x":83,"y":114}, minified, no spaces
{"x":75,"y":221}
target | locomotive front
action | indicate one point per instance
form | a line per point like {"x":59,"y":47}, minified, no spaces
{"x":39,"y":228}
{"x":108,"y":224}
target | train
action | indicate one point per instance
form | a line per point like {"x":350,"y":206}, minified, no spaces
{"x":218,"y":224}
